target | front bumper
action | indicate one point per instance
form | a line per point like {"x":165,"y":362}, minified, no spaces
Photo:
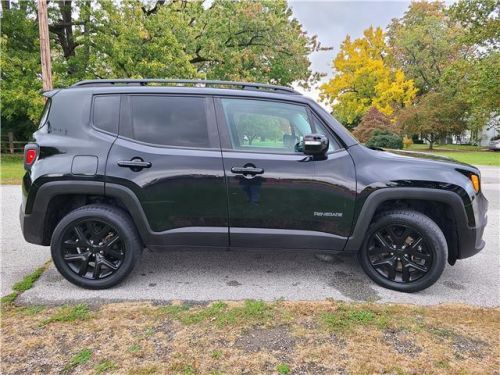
{"x":470,"y":239}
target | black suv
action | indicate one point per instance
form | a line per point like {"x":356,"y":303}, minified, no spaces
{"x":120,"y":165}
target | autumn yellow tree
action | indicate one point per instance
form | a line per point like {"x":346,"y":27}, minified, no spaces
{"x":363,"y":79}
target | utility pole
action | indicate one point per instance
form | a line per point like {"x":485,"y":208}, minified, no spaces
{"x":43,"y":28}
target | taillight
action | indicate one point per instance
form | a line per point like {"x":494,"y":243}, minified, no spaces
{"x":30,"y":154}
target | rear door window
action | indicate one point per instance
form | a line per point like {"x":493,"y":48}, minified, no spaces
{"x":169,"y":120}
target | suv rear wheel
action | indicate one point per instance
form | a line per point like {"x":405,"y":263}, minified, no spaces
{"x":95,"y":246}
{"x":404,"y":250}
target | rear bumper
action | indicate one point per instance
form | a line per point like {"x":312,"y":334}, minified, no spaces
{"x":32,"y":227}
{"x":471,"y":239}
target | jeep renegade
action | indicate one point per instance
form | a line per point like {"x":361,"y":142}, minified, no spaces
{"x":120,"y":165}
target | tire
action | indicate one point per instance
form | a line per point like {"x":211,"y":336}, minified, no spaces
{"x":420,"y":246}
{"x":111,"y":260}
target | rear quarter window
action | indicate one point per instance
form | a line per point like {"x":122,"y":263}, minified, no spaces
{"x":45,"y":113}
{"x":106,"y":112}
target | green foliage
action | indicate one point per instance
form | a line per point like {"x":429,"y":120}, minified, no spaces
{"x":452,"y":54}
{"x":21,"y":102}
{"x":80,"y":358}
{"x":435,"y":115}
{"x":283,"y":368}
{"x":69,"y":313}
{"x":385,"y":139}
{"x":248,"y":41}
{"x":424,"y":42}
{"x":479,"y":19}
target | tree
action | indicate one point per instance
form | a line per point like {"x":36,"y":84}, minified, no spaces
{"x":473,"y":78}
{"x":423,"y":43}
{"x":362,"y":79}
{"x":480,"y":22}
{"x":434,"y":115}
{"x":250,"y":41}
{"x":451,"y":53}
{"x":21,"y":101}
{"x":371,"y":121}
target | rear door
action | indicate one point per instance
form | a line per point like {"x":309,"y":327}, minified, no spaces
{"x":278,"y":197}
{"x":168,"y":155}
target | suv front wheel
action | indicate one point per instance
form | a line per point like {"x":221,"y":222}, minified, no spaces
{"x":95,"y":246}
{"x":404,"y":250}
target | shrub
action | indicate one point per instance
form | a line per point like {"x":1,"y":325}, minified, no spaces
{"x":407,"y":141}
{"x":385,"y":139}
{"x":373,"y":120}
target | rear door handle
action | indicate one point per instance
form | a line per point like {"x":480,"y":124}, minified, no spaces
{"x":136,"y":164}
{"x":247,"y":170}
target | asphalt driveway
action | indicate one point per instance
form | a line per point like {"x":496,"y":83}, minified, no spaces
{"x":212,"y":275}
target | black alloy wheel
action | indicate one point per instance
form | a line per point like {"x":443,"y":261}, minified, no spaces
{"x":399,"y":253}
{"x":96,"y":246}
{"x":93,"y":249}
{"x":404,"y":250}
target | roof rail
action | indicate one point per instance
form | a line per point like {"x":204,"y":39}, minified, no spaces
{"x":177,"y":82}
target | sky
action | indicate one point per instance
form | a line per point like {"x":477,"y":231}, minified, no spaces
{"x":331,"y":21}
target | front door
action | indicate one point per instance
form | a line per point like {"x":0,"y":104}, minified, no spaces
{"x":168,"y":154}
{"x":278,"y":197}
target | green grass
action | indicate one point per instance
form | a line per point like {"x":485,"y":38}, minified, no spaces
{"x":347,"y":317}
{"x":80,"y":358}
{"x":69,"y":314}
{"x":21,"y":286}
{"x":221,"y":314}
{"x":464,"y":153}
{"x":11,"y":169}
{"x":105,"y":366}
{"x":283,"y":368}
{"x":134,"y":348}
{"x":28,"y":280}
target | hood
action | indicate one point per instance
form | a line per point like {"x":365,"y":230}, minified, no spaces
{"x":425,"y":157}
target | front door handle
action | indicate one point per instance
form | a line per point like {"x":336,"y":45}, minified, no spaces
{"x":136,"y":164}
{"x":247,"y":170}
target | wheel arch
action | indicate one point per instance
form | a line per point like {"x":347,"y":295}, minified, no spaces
{"x":445,"y":208}
{"x":56,"y":199}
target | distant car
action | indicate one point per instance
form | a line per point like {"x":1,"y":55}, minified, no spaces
{"x":494,"y":145}
{"x":120,"y":165}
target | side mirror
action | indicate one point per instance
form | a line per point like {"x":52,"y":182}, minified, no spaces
{"x":315,"y":144}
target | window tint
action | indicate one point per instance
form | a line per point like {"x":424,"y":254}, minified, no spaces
{"x":273,"y":126}
{"x":169,"y":121}
{"x":107,"y":112}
